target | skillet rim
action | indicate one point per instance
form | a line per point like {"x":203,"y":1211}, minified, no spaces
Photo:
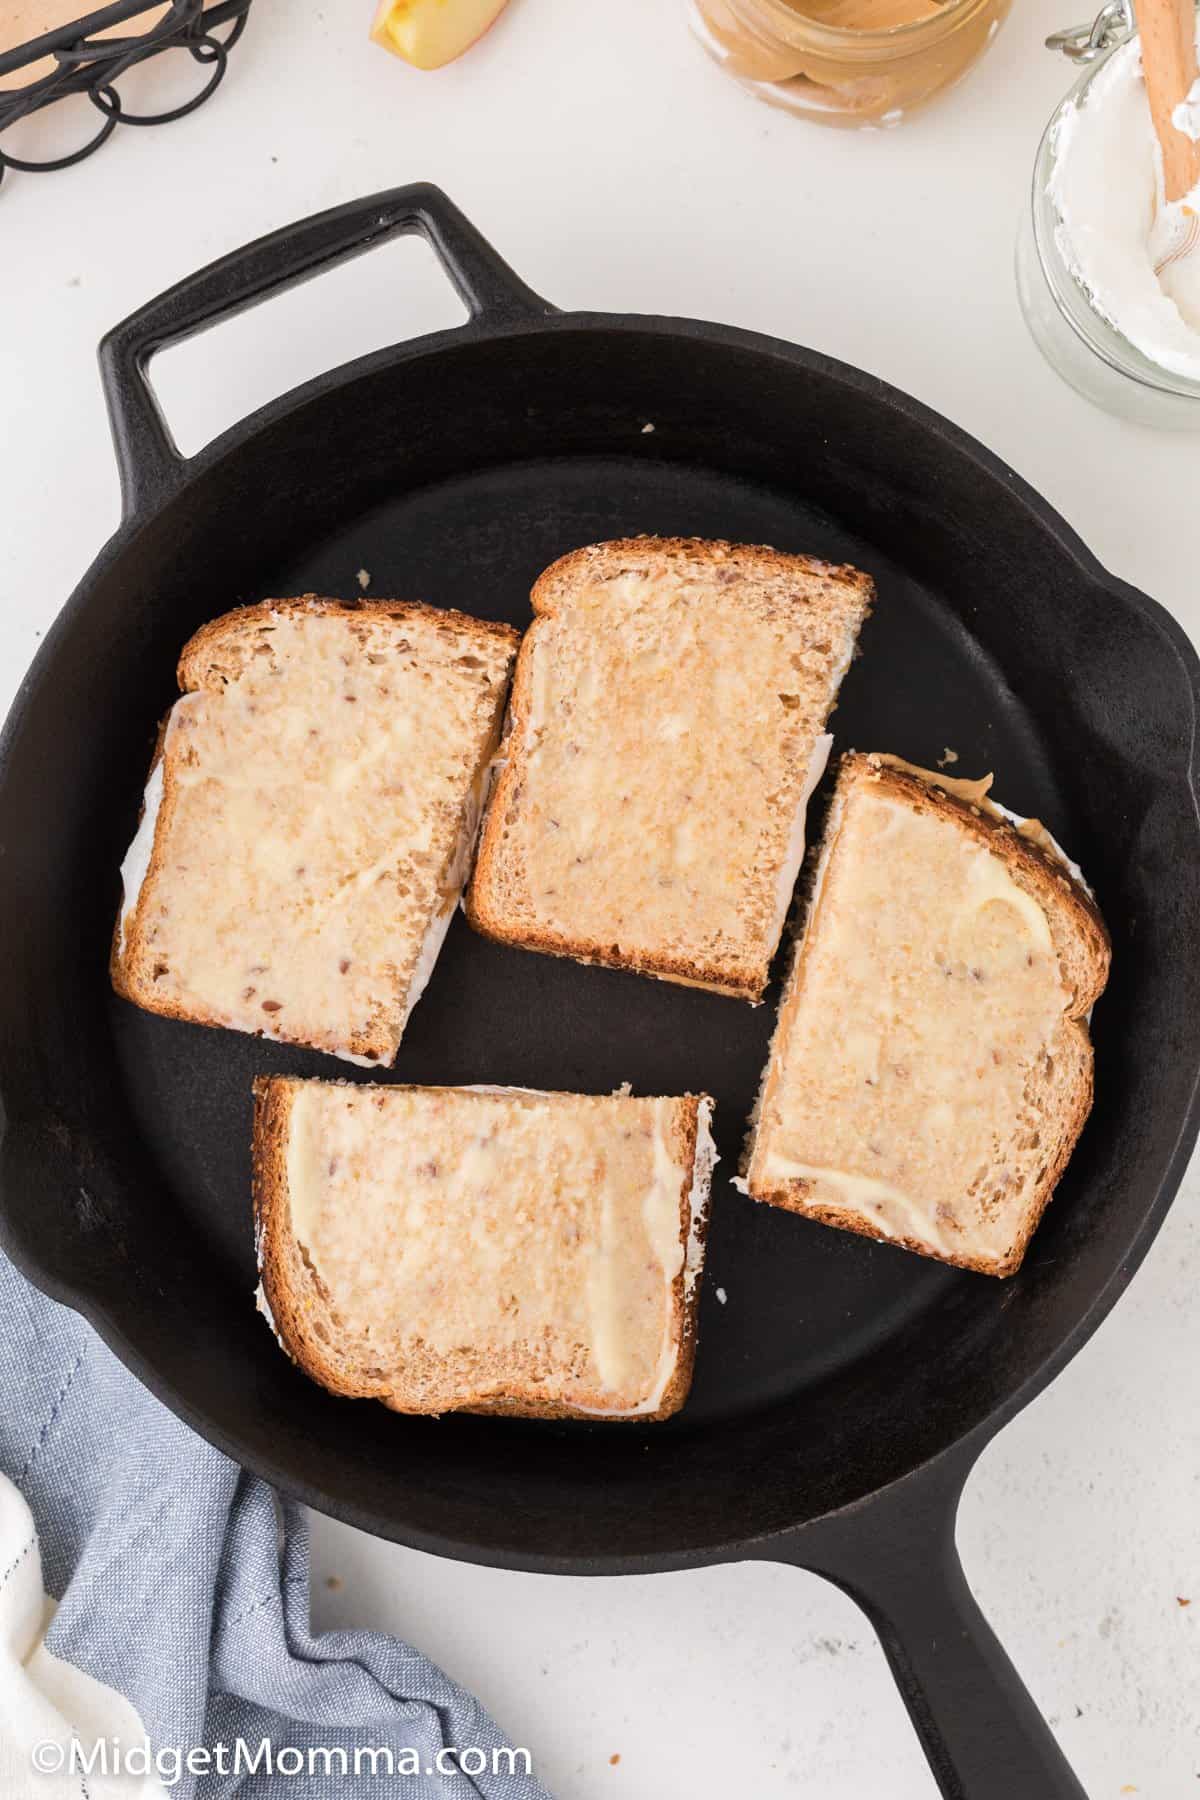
{"x":955,"y":443}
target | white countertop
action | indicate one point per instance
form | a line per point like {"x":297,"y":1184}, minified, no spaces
{"x":616,"y":168}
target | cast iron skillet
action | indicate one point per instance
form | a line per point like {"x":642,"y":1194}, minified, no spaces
{"x":845,"y":1390}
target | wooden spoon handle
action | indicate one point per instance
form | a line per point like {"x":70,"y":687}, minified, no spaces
{"x":1168,"y":32}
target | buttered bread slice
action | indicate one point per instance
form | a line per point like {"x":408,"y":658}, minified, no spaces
{"x":667,"y":729}
{"x":483,"y":1249}
{"x":309,"y":819}
{"x":931,"y":1068}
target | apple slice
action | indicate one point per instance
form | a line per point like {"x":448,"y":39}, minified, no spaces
{"x":429,"y":33}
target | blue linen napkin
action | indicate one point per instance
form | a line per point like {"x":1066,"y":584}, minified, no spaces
{"x":183,"y":1583}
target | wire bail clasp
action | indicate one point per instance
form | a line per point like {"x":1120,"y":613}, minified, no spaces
{"x":1112,"y":25}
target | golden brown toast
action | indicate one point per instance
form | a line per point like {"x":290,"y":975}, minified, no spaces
{"x":666,"y":729}
{"x":309,"y":819}
{"x":486,"y":1250}
{"x":931,"y":1068}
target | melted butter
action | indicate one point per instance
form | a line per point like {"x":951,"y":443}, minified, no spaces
{"x":950,"y":999}
{"x":488,"y":1221}
{"x":608,"y":1345}
{"x":978,"y":793}
{"x":310,"y":837}
{"x":675,"y":818}
{"x":660,"y":1208}
{"x":890,"y":1210}
{"x":990,"y":884}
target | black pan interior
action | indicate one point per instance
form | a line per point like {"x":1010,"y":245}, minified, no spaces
{"x":828,"y":1364}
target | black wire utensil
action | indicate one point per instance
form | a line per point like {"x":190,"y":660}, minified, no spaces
{"x":84,"y":62}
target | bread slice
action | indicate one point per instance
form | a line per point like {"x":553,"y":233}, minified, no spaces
{"x":931,"y":1068}
{"x":484,"y":1249}
{"x":667,"y":724}
{"x":309,"y":819}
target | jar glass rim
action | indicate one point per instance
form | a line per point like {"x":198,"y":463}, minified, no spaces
{"x":948,"y":12}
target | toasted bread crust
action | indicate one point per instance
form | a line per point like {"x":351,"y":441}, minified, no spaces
{"x":696,"y":553}
{"x":218,"y":634}
{"x":1082,"y":942}
{"x":484,"y":901}
{"x":119,"y":959}
{"x":197,"y":669}
{"x":296,"y":1296}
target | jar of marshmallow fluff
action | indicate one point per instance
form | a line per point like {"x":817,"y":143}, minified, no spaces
{"x":1114,"y":307}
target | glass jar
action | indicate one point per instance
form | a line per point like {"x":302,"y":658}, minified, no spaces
{"x":1076,"y":340}
{"x":847,"y":62}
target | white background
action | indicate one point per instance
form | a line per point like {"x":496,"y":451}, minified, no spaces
{"x":616,"y":168}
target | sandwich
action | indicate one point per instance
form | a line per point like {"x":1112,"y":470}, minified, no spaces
{"x":666,"y":730}
{"x":309,"y":819}
{"x":483,"y":1249}
{"x":931,"y":1068}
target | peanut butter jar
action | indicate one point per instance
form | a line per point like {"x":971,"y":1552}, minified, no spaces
{"x":847,"y":62}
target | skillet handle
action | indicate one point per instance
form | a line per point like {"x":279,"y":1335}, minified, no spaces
{"x":148,"y":459}
{"x":895,"y":1556}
